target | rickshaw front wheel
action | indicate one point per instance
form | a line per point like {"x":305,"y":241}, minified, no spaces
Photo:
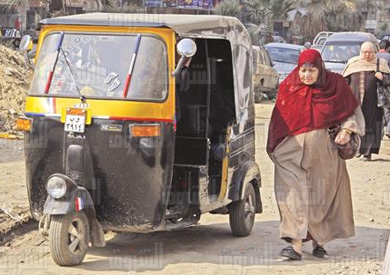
{"x":242,"y":213}
{"x":68,"y":238}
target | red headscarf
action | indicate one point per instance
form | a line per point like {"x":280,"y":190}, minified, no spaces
{"x":302,"y":108}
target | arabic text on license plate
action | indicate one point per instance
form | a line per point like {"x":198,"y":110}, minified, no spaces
{"x":75,"y":123}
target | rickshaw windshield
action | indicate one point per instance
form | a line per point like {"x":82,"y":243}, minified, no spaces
{"x":100,"y":65}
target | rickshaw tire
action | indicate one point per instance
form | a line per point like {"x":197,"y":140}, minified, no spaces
{"x":239,"y":224}
{"x":59,"y":238}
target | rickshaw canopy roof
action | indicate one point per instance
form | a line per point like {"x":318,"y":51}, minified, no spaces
{"x":184,"y":25}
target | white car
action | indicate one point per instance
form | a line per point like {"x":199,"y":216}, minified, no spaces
{"x":284,"y":57}
{"x":320,"y":39}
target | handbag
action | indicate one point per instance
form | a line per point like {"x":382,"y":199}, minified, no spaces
{"x":348,"y":150}
{"x":383,"y":91}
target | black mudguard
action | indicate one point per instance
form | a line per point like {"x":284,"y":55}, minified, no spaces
{"x":78,"y":200}
{"x":248,"y":173}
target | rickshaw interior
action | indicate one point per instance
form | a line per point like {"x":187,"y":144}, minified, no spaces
{"x":204,"y":110}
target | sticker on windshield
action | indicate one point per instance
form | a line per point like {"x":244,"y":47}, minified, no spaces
{"x":110,"y":77}
{"x":113,"y":86}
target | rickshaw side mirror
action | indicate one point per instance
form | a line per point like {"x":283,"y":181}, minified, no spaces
{"x":25,"y":46}
{"x":187,"y":49}
{"x":26,"y":43}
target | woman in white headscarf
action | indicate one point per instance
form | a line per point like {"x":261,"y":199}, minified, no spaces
{"x":363,"y":77}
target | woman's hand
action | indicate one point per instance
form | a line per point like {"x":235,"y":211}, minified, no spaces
{"x":342,"y":137}
{"x":379,"y":75}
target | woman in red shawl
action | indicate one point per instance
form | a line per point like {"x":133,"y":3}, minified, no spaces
{"x":311,"y":180}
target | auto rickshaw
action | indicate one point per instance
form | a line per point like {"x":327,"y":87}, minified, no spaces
{"x":139,"y":123}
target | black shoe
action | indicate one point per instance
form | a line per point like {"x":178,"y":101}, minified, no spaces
{"x":367,"y":158}
{"x":290,"y":253}
{"x":320,"y":252}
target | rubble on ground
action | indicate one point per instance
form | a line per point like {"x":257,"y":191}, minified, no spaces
{"x":15,"y":79}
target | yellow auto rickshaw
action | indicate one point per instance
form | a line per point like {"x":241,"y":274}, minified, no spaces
{"x":139,"y":123}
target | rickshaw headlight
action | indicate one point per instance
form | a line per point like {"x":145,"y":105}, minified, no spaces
{"x":56,"y":187}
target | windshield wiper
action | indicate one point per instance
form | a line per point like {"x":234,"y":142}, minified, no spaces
{"x":53,"y":67}
{"x":71,"y":72}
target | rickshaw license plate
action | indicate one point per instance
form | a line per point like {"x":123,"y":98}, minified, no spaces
{"x":75,"y":122}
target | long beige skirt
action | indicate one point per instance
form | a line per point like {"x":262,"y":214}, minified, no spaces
{"x":312,"y":188}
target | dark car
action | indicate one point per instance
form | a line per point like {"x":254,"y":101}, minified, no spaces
{"x":385,"y":36}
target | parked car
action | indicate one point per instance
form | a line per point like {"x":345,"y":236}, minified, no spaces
{"x":265,"y":77}
{"x":284,"y":57}
{"x":341,"y":46}
{"x":320,"y":39}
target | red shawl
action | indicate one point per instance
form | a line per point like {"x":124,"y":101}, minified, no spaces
{"x":302,"y":108}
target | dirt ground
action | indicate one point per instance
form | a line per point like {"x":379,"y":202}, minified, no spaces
{"x":208,"y":248}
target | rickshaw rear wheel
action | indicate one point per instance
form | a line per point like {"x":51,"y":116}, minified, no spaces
{"x":242,"y":213}
{"x":68,"y":238}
